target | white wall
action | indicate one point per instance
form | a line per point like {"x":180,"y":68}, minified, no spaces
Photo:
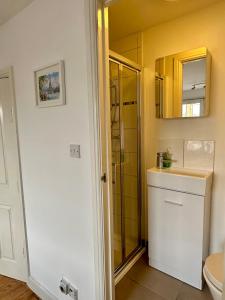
{"x":130,"y":46}
{"x":57,"y":188}
{"x":203,"y":28}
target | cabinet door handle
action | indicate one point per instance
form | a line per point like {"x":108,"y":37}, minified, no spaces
{"x":173,"y":202}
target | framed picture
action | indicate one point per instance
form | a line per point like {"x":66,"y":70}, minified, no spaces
{"x":50,"y":85}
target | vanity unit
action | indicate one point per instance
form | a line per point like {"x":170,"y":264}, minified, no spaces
{"x":178,"y":222}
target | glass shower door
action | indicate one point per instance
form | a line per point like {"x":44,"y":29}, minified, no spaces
{"x":130,"y":170}
{"x":124,"y":97}
{"x":116,"y":161}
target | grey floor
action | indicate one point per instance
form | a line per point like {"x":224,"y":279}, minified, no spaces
{"x":145,"y":283}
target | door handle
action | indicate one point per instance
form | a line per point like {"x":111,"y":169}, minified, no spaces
{"x":173,"y":202}
{"x":115,"y":165}
{"x":104,"y":177}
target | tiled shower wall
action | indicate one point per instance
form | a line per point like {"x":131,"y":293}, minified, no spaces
{"x":192,"y":154}
{"x":129,"y":47}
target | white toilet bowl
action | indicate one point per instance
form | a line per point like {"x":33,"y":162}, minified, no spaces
{"x":214,"y":274}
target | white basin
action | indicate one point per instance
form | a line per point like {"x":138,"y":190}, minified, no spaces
{"x":195,"y":182}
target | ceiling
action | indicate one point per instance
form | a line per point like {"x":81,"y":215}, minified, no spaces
{"x":129,"y":16}
{"x":9,"y":8}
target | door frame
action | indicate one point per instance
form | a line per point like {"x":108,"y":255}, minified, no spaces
{"x":100,"y":129}
{"x":98,"y":86}
{"x":8,"y":72}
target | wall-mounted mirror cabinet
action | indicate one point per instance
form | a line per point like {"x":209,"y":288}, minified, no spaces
{"x":182,"y":84}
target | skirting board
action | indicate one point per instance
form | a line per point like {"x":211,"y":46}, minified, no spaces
{"x":39,"y":290}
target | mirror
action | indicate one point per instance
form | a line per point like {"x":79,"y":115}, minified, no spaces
{"x":182,"y":84}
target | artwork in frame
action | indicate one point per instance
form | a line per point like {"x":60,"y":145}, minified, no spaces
{"x":50,"y":85}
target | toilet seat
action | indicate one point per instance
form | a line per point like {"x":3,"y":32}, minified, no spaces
{"x":213,"y":269}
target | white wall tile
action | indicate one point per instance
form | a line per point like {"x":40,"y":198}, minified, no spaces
{"x":129,"y":47}
{"x":130,"y":140}
{"x":130,"y":186}
{"x":124,"y":44}
{"x":131,"y":229}
{"x":175,"y":146}
{"x":130,"y":164}
{"x":199,"y":154}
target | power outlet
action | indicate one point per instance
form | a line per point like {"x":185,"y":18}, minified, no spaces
{"x":64,"y":286}
{"x":68,"y":289}
{"x":73,"y":292}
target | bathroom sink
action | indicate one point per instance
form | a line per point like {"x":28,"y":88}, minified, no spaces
{"x":196,"y":182}
{"x":184,"y":172}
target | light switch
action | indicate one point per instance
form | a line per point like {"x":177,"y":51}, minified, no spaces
{"x":75,"y":151}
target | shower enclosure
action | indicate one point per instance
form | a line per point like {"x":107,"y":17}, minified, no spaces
{"x":125,"y":135}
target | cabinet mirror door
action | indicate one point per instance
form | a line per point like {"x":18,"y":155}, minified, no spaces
{"x":182,"y":84}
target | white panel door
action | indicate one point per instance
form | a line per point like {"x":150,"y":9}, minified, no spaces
{"x":13,"y":261}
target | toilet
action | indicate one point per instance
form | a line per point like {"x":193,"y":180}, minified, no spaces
{"x":214,"y":274}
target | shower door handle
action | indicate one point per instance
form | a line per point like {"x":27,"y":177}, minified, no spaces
{"x":115,"y":169}
{"x":104,"y":178}
{"x":115,"y":165}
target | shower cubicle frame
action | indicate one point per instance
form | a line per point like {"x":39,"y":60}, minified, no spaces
{"x":137,"y":252}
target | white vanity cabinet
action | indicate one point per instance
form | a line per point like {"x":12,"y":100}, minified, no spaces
{"x":178,"y":222}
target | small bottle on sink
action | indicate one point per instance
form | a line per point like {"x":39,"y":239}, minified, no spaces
{"x":164,"y":159}
{"x":160,"y":159}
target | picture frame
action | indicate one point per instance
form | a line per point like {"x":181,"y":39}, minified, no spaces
{"x":50,"y":85}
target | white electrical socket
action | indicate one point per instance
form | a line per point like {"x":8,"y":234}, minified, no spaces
{"x":68,"y":289}
{"x":73,"y":292}
{"x":64,"y":286}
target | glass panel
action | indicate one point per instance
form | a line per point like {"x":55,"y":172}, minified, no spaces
{"x":129,"y":112}
{"x":125,"y":175}
{"x":194,"y":84}
{"x":116,"y":165}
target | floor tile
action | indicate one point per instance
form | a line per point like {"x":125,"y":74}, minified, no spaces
{"x":143,"y":282}
{"x":189,"y":293}
{"x":165,"y":286}
{"x":127,"y":289}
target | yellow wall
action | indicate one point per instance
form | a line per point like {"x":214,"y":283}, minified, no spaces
{"x":130,"y":47}
{"x":203,"y":28}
